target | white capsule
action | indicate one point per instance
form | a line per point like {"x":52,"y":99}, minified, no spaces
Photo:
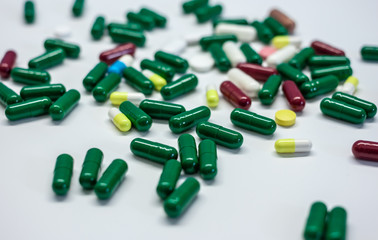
{"x":246,"y":83}
{"x":116,"y":98}
{"x":175,"y":46}
{"x":244,"y":33}
{"x":282,"y":41}
{"x":233,"y":53}
{"x":127,"y":60}
{"x":350,"y":85}
{"x":293,"y":145}
{"x":202,"y":62}
{"x":281,"y":56}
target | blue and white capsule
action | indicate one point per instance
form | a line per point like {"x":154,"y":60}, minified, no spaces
{"x":121,"y":64}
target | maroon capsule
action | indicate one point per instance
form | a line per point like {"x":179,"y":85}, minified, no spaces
{"x":235,"y":96}
{"x":294,"y":97}
{"x":7,"y":63}
{"x":365,"y":150}
{"x":256,"y":71}
{"x":322,"y":48}
{"x":110,"y":56}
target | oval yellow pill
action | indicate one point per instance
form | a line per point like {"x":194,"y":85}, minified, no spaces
{"x":285,"y":118}
{"x":212,"y":96}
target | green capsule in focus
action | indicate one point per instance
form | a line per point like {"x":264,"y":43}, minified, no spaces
{"x":160,"y":109}
{"x":27,"y":109}
{"x":270,"y":89}
{"x":220,"y":58}
{"x":162,"y":69}
{"x":95,"y":76}
{"x":64,"y":105}
{"x":186,"y":120}
{"x":207,"y":159}
{"x":369,"y":107}
{"x":188,"y":153}
{"x":301,"y":59}
{"x":30,"y":76}
{"x":49,"y":59}
{"x":168,"y":178}
{"x":91,"y":168}
{"x":8,"y":96}
{"x":106,"y":86}
{"x":319,"y":86}
{"x":253,"y":121}
{"x":179,"y":87}
{"x":179,"y":64}
{"x":52,"y":91}
{"x":140,"y":120}
{"x":62,"y":174}
{"x":341,"y":72}
{"x":137,"y":80}
{"x":343,"y":111}
{"x":220,"y":135}
{"x":289,"y":72}
{"x":153,"y":151}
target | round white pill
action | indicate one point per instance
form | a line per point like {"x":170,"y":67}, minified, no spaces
{"x":62,"y":31}
{"x":202,"y":62}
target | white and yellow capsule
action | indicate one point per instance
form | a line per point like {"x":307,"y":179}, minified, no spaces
{"x":291,"y":145}
{"x":156,"y":79}
{"x":282,"y":41}
{"x":119,"y":119}
{"x":212,"y":96}
{"x":350,"y":85}
{"x":116,"y":98}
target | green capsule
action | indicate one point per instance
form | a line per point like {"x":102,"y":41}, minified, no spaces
{"x":98,"y":28}
{"x":326,"y":61}
{"x":188,"y":153}
{"x":264,"y":33}
{"x":207,"y":13}
{"x":369,"y":53}
{"x":162,"y":69}
{"x":179,"y":64}
{"x":71,"y":50}
{"x":147,"y":22}
{"x":343,"y":111}
{"x":168,"y":178}
{"x":160,"y":20}
{"x":8,"y":96}
{"x":52,"y":91}
{"x":251,"y":55}
{"x":30,"y":76}
{"x":138,"y":81}
{"x":275,"y":26}
{"x":153,"y":151}
{"x":186,"y":120}
{"x":220,"y":58}
{"x":95,"y":76}
{"x":120,"y":35}
{"x":110,"y":179}
{"x":64,"y":105}
{"x":62,"y":174}
{"x":128,"y":26}
{"x":252,"y":121}
{"x":106,"y":86}
{"x":160,"y":109}
{"x":78,"y":7}
{"x":29,"y":12}
{"x":289,"y":72}
{"x":270,"y":89}
{"x":220,"y":135}
{"x":49,"y":59}
{"x":179,"y":87}
{"x":181,"y":198}
{"x":207,"y":159}
{"x":369,"y":107}
{"x":237,"y":21}
{"x":316,"y":221}
{"x":342,"y":72}
{"x":29,"y":108}
{"x":301,"y":59}
{"x":192,"y":6}
{"x":319,"y":86}
{"x":336,"y":224}
{"x":205,"y":42}
{"x":140,"y":120}
{"x":91,"y":168}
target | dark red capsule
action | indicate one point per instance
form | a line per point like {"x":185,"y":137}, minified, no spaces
{"x":7,"y":63}
{"x":322,"y":48}
{"x":294,"y":97}
{"x":365,"y":150}
{"x":256,"y":71}
{"x":235,"y":96}
{"x":112,"y":55}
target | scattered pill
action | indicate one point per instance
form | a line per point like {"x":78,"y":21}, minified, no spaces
{"x":282,"y":18}
{"x":319,"y":86}
{"x":164,"y":70}
{"x":62,"y":174}
{"x":27,"y":109}
{"x":62,"y":31}
{"x":285,"y":118}
{"x":95,"y":76}
{"x":179,"y":87}
{"x":365,"y":150}
{"x":369,"y":53}
{"x":120,"y":65}
{"x":71,"y":50}
{"x":293,"y":145}
{"x":205,"y":42}
{"x":91,"y":168}
{"x":78,"y":7}
{"x":64,"y":105}
{"x":201,"y":62}
{"x":192,"y":6}
{"x":112,"y":55}
{"x":282,"y":55}
{"x":147,"y":22}
{"x":270,"y":89}
{"x":322,"y":48}
{"x":188,"y":153}
{"x":251,"y":55}
{"x":275,"y":26}
{"x":369,"y":107}
{"x":212,"y":97}
{"x":282,"y":41}
{"x":160,"y":109}
{"x":7,"y":63}
{"x":168,"y":178}
{"x":153,"y":151}
{"x":341,"y":72}
{"x":235,"y":95}
{"x":343,"y":111}
{"x":256,"y":71}
{"x":128,"y":26}
{"x":207,"y":13}
{"x":160,"y":20}
{"x":233,"y":53}
{"x":208,"y":159}
{"x":30,"y":76}
{"x":116,"y":98}
{"x":266,"y":51}
{"x":244,"y":33}
{"x":246,"y":83}
{"x":52,"y":91}
{"x":189,"y":119}
{"x":301,"y":59}
{"x":49,"y":59}
{"x":119,"y":35}
{"x":293,"y":96}
{"x":178,"y":63}
{"x":29,"y":12}
{"x":108,"y":84}
{"x":294,"y":74}
{"x":8,"y":96}
{"x":263,"y":32}
{"x":326,"y":61}
{"x":175,"y":46}
{"x":220,"y":58}
{"x":137,"y":80}
{"x":119,"y":119}
{"x":252,"y":121}
{"x":140,"y":120}
{"x":156,"y":79}
{"x":350,"y":85}
{"x":98,"y":28}
{"x":336,"y":224}
{"x":316,"y":221}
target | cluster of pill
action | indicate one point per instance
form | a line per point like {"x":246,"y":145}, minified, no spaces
{"x":202,"y":10}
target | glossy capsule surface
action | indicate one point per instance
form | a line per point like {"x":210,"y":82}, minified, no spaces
{"x":301,"y":59}
{"x":291,"y":73}
{"x":275,"y":26}
{"x":70,"y":49}
{"x":293,"y":96}
{"x":316,"y":222}
{"x":153,"y":151}
{"x":291,"y":145}
{"x":119,"y":97}
{"x":220,"y":58}
{"x":119,"y":119}
{"x":137,"y":80}
{"x":253,"y":121}
{"x":98,"y":28}
{"x":8,"y":96}
{"x":78,"y":7}
{"x":251,"y":55}
{"x":168,"y":178}
{"x":212,"y":97}
{"x":343,"y":111}
{"x":140,"y":120}
{"x":220,"y":135}
{"x":179,"y":87}
{"x":365,"y":150}
{"x":112,"y":55}
{"x":319,"y":86}
{"x":160,"y":20}
{"x":270,"y":89}
{"x":111,"y":179}
{"x":49,"y":59}
{"x":256,"y":71}
{"x":205,"y":42}
{"x":233,"y":53}
{"x":336,"y":224}
{"x":160,"y":109}
{"x":207,"y":13}
{"x":285,"y":20}
{"x":246,"y":83}
{"x":326,"y":61}
{"x":29,"y":12}
{"x":62,"y":174}
{"x":156,"y":79}
{"x":91,"y":168}
{"x":186,"y":120}
{"x":7,"y":63}
{"x":52,"y":91}
{"x":350,"y":85}
{"x":30,"y":108}
{"x":30,"y":76}
{"x":263,"y":32}
{"x":235,"y":95}
{"x":147,"y":22}
{"x":181,"y":198}
{"x":193,"y":5}
{"x":322,"y":48}
{"x":207,"y":159}
{"x":369,"y":107}
{"x":188,"y":153}
{"x":342,"y":72}
{"x":178,"y":63}
{"x":164,"y":70}
{"x":119,"y":35}
{"x":94,"y":76}
{"x":64,"y":105}
{"x":107,"y":85}
{"x":369,"y":53}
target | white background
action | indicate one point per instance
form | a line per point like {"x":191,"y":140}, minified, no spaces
{"x":257,"y":193}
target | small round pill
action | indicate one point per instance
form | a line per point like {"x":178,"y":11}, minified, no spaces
{"x":202,"y":62}
{"x":285,"y":117}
